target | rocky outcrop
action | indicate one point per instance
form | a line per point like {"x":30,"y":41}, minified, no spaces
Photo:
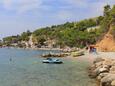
{"x":103,"y":70}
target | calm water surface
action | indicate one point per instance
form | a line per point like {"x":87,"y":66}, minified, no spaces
{"x":26,"y":69}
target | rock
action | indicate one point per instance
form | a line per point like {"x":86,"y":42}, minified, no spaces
{"x":113,"y":83}
{"x":93,"y":75}
{"x":106,"y":66}
{"x":107,"y":62}
{"x":98,"y":64}
{"x":102,"y":70}
{"x":112,"y":68}
{"x":97,"y":70}
{"x":98,"y":60}
{"x":106,"y":81}
{"x":113,"y":63}
{"x":112,"y":72}
{"x":91,"y":71}
{"x":100,"y":76}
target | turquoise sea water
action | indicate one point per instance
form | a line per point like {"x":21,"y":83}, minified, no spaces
{"x":26,"y":69}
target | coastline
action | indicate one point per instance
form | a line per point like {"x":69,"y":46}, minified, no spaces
{"x":103,"y":69}
{"x":33,"y":48}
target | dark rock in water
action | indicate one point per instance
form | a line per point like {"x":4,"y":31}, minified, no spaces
{"x":10,"y":59}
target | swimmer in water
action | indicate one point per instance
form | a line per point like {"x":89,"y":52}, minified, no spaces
{"x":10,"y":59}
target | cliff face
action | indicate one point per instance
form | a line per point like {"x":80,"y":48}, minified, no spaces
{"x":108,"y":42}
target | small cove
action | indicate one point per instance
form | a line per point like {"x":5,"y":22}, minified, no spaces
{"x":27,"y":69}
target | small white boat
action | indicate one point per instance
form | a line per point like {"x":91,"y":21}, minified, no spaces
{"x":51,"y":60}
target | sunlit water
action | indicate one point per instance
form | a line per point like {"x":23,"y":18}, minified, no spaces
{"x":26,"y":69}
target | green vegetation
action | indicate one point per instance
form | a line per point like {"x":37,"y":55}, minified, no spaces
{"x":16,"y":39}
{"x":25,"y":35}
{"x":109,"y":18}
{"x":74,"y":34}
{"x":11,"y":39}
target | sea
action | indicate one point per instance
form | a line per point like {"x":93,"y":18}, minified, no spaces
{"x":20,"y":67}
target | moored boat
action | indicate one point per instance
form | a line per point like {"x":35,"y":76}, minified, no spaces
{"x":52,"y":60}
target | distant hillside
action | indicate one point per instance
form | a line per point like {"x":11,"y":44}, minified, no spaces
{"x":108,"y":41}
{"x":71,"y":34}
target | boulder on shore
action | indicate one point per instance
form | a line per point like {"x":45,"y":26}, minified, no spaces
{"x":103,"y":69}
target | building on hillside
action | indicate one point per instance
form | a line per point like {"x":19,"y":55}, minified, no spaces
{"x":93,"y":28}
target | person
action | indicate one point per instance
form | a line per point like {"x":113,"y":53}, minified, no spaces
{"x":86,"y":48}
{"x":10,"y":59}
{"x":90,"y":49}
{"x":95,"y":50}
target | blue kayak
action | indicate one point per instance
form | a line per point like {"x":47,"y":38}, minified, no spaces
{"x":51,"y":60}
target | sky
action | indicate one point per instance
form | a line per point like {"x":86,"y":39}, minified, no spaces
{"x":17,"y":16}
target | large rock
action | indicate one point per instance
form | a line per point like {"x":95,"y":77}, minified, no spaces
{"x":97,"y":71}
{"x":92,"y":72}
{"x":103,"y":70}
{"x":106,"y":81}
{"x":113,"y":83}
{"x":106,"y":66}
{"x":112,"y":68}
{"x":101,"y":75}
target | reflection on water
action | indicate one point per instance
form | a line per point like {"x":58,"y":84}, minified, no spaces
{"x":27,"y":69}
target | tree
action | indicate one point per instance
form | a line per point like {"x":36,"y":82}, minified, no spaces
{"x":41,"y":40}
{"x":25,"y":35}
{"x":106,"y":10}
{"x":112,"y":13}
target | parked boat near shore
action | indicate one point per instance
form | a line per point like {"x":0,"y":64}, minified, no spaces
{"x":53,"y":61}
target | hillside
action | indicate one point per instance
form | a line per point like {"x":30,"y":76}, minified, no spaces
{"x":70,"y":34}
{"x":108,"y":42}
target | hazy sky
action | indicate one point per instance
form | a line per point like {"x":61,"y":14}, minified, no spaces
{"x":17,"y":16}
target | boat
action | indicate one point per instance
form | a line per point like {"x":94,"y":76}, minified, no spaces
{"x":52,"y":60}
{"x":76,"y":54}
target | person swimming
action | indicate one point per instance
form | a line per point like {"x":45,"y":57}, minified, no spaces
{"x":10,"y":59}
